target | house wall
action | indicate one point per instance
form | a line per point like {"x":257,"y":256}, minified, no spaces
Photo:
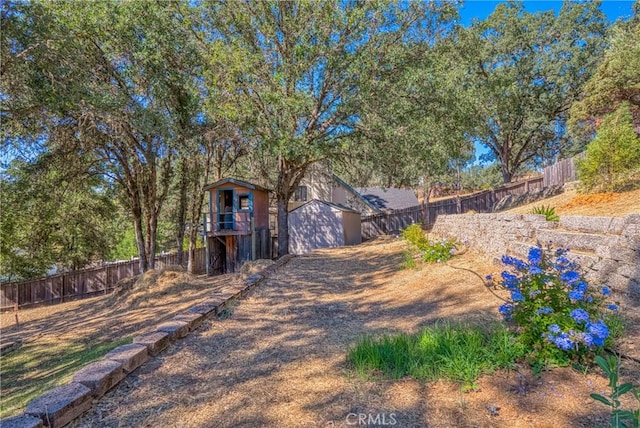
{"x":319,"y":183}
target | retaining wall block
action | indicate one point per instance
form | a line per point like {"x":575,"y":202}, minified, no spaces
{"x":176,"y":329}
{"x":194,"y":320}
{"x":61,"y":405}
{"x":205,"y":308}
{"x":592,"y":224}
{"x":131,"y":356}
{"x":100,"y":376}
{"x":155,"y":341}
{"x":629,"y":270}
{"x":22,"y":421}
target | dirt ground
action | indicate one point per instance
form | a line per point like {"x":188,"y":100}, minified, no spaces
{"x":279,"y":359}
{"x":597,"y":204}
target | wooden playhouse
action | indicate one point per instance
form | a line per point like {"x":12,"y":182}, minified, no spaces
{"x":237,"y":225}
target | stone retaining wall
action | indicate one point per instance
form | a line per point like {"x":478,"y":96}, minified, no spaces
{"x":61,"y":405}
{"x":608,"y":248}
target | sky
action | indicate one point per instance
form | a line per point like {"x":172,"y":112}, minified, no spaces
{"x":480,"y":9}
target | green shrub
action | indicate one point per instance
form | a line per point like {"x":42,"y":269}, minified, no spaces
{"x":549,"y":212}
{"x":430,"y":252}
{"x":559,"y":318}
{"x":457,"y":352}
{"x":613,"y":157}
{"x":415,"y":236}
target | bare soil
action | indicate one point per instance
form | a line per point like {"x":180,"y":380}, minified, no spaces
{"x":596,"y":204}
{"x":279,"y":359}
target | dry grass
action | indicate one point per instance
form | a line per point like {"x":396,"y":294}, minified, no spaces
{"x":279,"y":359}
{"x":597,"y":204}
{"x":76,"y":328}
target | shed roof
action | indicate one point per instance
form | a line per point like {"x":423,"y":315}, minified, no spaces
{"x":236,"y":182}
{"x":388,"y":199}
{"x":330,"y":204}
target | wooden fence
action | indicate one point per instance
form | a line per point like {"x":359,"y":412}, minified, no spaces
{"x":387,"y":224}
{"x":561,"y":172}
{"x":81,"y":283}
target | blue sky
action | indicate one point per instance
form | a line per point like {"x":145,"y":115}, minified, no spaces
{"x":480,"y":9}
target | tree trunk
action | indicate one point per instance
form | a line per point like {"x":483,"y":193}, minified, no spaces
{"x":426,"y":193}
{"x":182,"y":211}
{"x":140,"y":241}
{"x":283,"y":224}
{"x":507,"y":175}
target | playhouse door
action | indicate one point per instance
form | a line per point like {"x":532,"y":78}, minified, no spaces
{"x":225,"y":210}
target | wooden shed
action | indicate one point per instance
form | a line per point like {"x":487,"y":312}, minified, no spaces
{"x":237,"y":224}
{"x":320,"y":224}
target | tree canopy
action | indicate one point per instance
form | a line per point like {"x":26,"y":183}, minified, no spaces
{"x":128,"y":108}
{"x":524,"y":71}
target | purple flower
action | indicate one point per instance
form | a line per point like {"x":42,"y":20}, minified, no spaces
{"x":576,"y":295}
{"x":535,"y":270}
{"x":599,"y":331}
{"x":581,"y":286}
{"x":613,"y":307}
{"x":587,"y":339}
{"x":570,"y":276}
{"x":579,"y":315}
{"x":554,"y":328}
{"x":517,"y":296}
{"x":506,"y":310}
{"x":535,"y":255}
{"x":543,"y":311}
{"x":510,"y":280}
{"x":605,"y":290}
{"x":489,"y":278}
{"x":563,"y":342}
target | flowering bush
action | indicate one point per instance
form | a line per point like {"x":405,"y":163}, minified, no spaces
{"x":429,"y":251}
{"x":559,"y":317}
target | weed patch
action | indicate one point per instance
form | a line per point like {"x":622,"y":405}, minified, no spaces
{"x":457,"y":352}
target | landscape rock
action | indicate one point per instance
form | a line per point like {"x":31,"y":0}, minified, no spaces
{"x":194,"y":320}
{"x":155,"y":341}
{"x":175,"y":329}
{"x":100,"y":376}
{"x":21,"y":421}
{"x":131,"y":356}
{"x":61,"y":405}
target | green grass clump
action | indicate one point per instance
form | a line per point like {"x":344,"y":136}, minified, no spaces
{"x":457,"y":352}
{"x":34,"y":369}
{"x":549,"y":212}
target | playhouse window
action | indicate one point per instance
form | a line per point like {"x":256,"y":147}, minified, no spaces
{"x":243,"y":202}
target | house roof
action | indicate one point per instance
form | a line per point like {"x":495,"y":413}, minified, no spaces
{"x":331,"y":204}
{"x":236,"y":182}
{"x":355,"y":193}
{"x":388,"y":199}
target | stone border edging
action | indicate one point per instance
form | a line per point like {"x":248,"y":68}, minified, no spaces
{"x":61,"y":405}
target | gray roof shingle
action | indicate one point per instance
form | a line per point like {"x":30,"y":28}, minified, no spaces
{"x":388,"y":199}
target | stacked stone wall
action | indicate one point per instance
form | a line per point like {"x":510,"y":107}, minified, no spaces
{"x":607,"y":248}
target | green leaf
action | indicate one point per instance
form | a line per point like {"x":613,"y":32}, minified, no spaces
{"x":622,"y":389}
{"x":601,"y":399}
